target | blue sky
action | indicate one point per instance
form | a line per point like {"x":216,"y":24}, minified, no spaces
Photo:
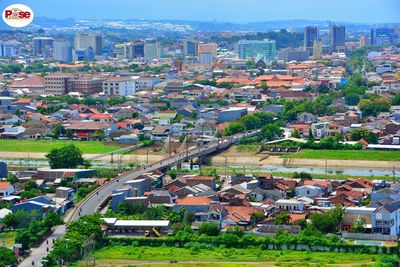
{"x":365,"y":11}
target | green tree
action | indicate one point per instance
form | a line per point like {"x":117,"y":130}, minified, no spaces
{"x":7,"y":257}
{"x":358,"y":134}
{"x":188,"y":218}
{"x":209,"y":228}
{"x":310,"y":135}
{"x":396,"y":100}
{"x":282,"y":218}
{"x":271,"y":131}
{"x":68,"y":156}
{"x":359,"y":226}
{"x":296,"y":134}
{"x":329,"y":221}
{"x":374,"y":106}
{"x":352,"y":99}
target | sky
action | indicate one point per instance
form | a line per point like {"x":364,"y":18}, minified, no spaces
{"x":238,"y":11}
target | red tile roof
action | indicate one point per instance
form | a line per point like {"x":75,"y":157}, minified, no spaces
{"x":193,"y":201}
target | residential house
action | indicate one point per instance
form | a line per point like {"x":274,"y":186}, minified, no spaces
{"x":386,"y":220}
{"x":6,"y":189}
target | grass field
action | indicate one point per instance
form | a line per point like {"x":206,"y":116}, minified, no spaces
{"x":89,"y":147}
{"x":227,"y":257}
{"x":346,"y":155}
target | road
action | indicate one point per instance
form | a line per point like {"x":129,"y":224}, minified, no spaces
{"x":93,"y":201}
{"x":38,"y":253}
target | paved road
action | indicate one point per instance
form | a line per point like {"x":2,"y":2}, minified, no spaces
{"x":93,"y":201}
{"x":40,"y":252}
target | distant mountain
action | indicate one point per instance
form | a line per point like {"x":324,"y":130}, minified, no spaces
{"x":212,"y":26}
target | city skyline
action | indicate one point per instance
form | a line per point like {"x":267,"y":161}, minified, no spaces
{"x":368,"y":11}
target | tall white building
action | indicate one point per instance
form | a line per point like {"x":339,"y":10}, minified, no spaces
{"x":120,"y":86}
{"x":62,"y":51}
{"x":152,"y":51}
{"x":86,"y":41}
{"x":9,"y":49}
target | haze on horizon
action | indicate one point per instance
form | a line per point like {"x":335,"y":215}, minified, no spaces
{"x":237,"y":11}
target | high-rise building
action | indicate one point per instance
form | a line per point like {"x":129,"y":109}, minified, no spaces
{"x":62,"y":51}
{"x":317,"y":49}
{"x":9,"y":48}
{"x":338,"y":38}
{"x":207,"y":52}
{"x":190,"y":47}
{"x":310,"y":35}
{"x":138,"y":49}
{"x":290,"y":54}
{"x":382,"y":36}
{"x":84,"y":41}
{"x":43,"y":46}
{"x":152,"y":51}
{"x":253,"y":48}
{"x":364,"y":41}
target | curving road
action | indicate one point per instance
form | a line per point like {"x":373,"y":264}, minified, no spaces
{"x":95,"y":199}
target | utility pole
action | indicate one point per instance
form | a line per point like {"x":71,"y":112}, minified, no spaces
{"x":326,"y":169}
{"x":170,"y":145}
{"x":147,"y":155}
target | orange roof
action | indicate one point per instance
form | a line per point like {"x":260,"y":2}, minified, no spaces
{"x":193,"y":201}
{"x":22,"y":101}
{"x":33,"y":81}
{"x":278,"y":83}
{"x":238,"y":213}
{"x":275,"y":77}
{"x":295,"y":216}
{"x":324,"y":184}
{"x":100,"y":116}
{"x":4,"y":185}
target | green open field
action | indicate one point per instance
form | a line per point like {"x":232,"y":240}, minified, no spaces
{"x":346,"y":155}
{"x":89,"y":147}
{"x":158,"y":256}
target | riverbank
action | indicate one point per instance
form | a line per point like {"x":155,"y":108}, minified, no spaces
{"x":231,"y":157}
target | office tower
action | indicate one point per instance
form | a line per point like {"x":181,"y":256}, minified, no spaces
{"x":364,"y":41}
{"x":382,"y":36}
{"x":43,"y":46}
{"x":290,"y":54}
{"x":152,"y":51}
{"x":317,"y":49}
{"x":9,"y":48}
{"x":84,"y":41}
{"x":253,"y":48}
{"x":190,"y":48}
{"x":137,"y":49}
{"x":338,"y":38}
{"x":207,"y":52}
{"x":310,"y":35}
{"x":62,"y":51}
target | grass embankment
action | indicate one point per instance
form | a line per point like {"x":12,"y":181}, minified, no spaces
{"x":88,"y":147}
{"x":228,"y":257}
{"x":346,"y":155}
